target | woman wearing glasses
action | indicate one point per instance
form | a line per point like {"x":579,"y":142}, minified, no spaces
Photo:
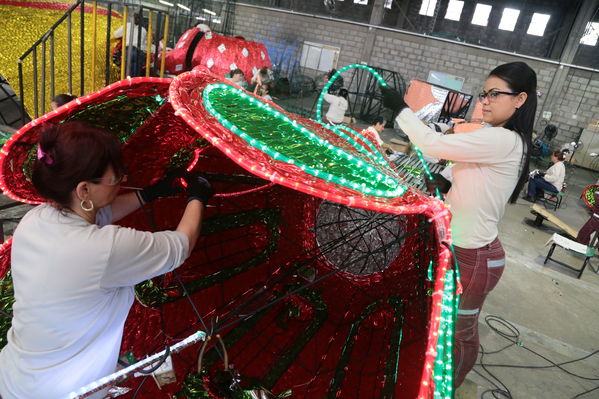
{"x":491,"y":168}
{"x":74,"y":271}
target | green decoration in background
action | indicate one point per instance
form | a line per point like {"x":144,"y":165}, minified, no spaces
{"x":326,"y":87}
{"x":127,"y":114}
{"x":287,"y":141}
{"x":7,"y":298}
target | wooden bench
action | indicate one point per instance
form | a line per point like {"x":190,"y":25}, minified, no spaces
{"x":543,"y":214}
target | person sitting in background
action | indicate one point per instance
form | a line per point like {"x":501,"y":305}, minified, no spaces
{"x":263,"y":91}
{"x":74,"y":271}
{"x":236,"y":76}
{"x":552,"y":180}
{"x":374,"y":133}
{"x":61,"y":99}
{"x":339,"y":104}
{"x":337,"y":84}
{"x":262,"y":77}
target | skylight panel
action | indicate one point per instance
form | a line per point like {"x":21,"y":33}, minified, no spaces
{"x":454,"y":10}
{"x":428,"y":7}
{"x":481,"y":14}
{"x":538,"y":23}
{"x":509,"y":19}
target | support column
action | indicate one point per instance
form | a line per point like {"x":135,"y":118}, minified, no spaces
{"x":584,"y":15}
{"x":376,"y":17}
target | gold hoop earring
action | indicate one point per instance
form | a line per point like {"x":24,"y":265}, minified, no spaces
{"x":88,"y":209}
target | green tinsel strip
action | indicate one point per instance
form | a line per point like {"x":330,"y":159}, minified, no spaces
{"x":150,"y":294}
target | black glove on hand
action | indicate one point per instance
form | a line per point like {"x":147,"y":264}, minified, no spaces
{"x":162,"y":188}
{"x":198,"y":188}
{"x":393,"y":100}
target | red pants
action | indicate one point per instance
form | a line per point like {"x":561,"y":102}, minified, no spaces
{"x":480,"y":270}
{"x":592,"y":225}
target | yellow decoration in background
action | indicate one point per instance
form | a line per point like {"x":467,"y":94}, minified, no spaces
{"x":22,"y":25}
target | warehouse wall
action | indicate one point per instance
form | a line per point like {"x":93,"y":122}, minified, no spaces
{"x":414,"y":56}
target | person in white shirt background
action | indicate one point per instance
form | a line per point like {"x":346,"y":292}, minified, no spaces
{"x":491,"y":167}
{"x":136,"y":33}
{"x":74,"y":271}
{"x":237,"y":77}
{"x":338,"y":105}
{"x":374,"y":132}
{"x":552,"y":180}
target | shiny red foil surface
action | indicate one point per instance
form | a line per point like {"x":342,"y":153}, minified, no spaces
{"x":258,"y":244}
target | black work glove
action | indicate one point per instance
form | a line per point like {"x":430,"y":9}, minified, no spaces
{"x":198,"y":188}
{"x":541,"y":174}
{"x":162,"y":188}
{"x":393,"y":100}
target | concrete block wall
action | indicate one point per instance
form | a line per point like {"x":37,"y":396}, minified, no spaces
{"x":415,"y":56}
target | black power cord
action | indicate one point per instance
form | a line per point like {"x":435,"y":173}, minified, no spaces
{"x":509,"y":332}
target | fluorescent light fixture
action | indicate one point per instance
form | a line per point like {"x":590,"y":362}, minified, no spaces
{"x":388,"y":3}
{"x":428,"y":8}
{"x":181,"y":6}
{"x":591,"y":34}
{"x":201,"y":18}
{"x":361,"y":2}
{"x":209,"y":12}
{"x":166,"y":3}
{"x":481,"y":14}
{"x":216,"y":20}
{"x":509,"y":19}
{"x":538,"y":23}
{"x":454,"y":10}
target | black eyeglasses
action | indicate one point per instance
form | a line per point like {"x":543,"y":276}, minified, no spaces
{"x":492,"y":95}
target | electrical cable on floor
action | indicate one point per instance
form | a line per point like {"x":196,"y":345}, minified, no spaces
{"x":512,"y":334}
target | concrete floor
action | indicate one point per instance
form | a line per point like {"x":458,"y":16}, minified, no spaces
{"x":555,"y":314}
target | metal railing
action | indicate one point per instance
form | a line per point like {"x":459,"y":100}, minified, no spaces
{"x":42,"y":75}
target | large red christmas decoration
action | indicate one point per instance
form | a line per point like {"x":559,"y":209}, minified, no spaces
{"x":219,"y":54}
{"x":324,"y":275}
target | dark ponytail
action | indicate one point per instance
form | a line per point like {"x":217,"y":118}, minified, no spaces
{"x":521,"y":78}
{"x":559,"y":155}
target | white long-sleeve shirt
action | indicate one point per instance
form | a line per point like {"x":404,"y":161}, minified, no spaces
{"x":73,"y":284}
{"x":556,"y":175}
{"x":133,"y":30}
{"x":336,"y":112}
{"x":488,"y":163}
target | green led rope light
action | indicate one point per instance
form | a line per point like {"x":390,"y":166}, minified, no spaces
{"x":382,"y":82}
{"x":222,"y":99}
{"x":373,"y":153}
{"x":427,"y":171}
{"x":443,"y":365}
{"x":326,"y":87}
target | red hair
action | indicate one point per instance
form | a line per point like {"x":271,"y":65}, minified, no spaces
{"x":73,"y":152}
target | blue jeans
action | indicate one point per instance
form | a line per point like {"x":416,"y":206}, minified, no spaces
{"x":537,"y":185}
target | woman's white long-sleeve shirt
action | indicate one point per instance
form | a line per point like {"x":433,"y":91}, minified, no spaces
{"x":488,"y":163}
{"x":556,"y":175}
{"x":73,"y":287}
{"x":336,"y":112}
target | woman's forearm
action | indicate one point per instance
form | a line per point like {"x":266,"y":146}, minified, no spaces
{"x":191,"y":222}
